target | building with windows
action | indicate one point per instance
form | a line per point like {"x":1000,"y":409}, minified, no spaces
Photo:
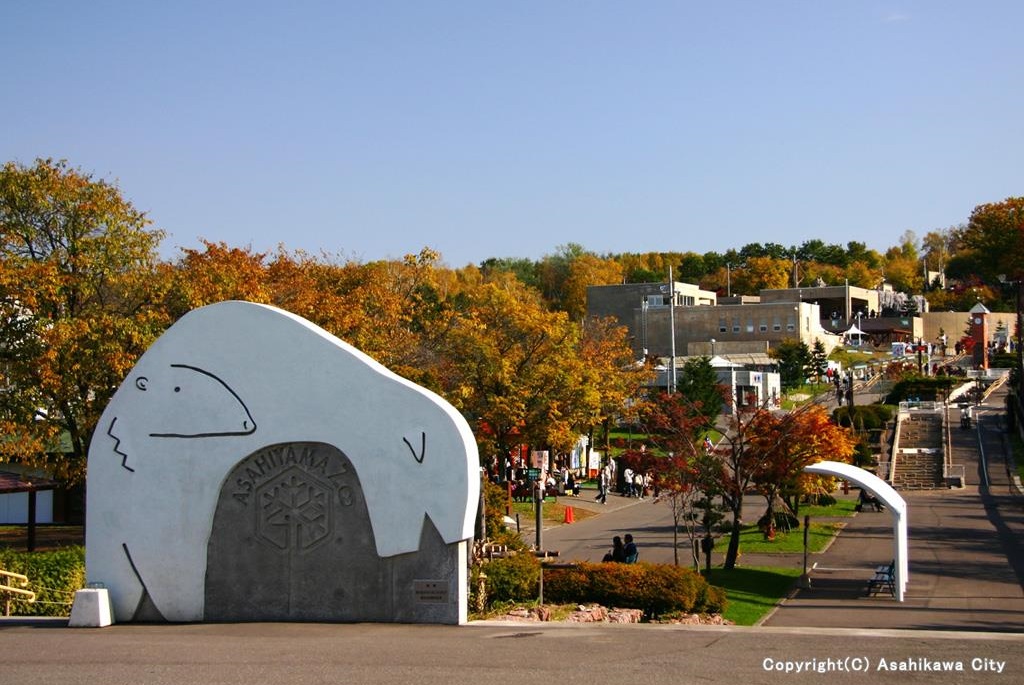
{"x":701,"y":322}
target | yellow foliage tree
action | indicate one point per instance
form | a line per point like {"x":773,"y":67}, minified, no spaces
{"x":81,"y":297}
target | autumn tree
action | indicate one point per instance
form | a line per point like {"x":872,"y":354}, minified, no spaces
{"x":760,"y":273}
{"x":584,"y":271}
{"x":81,"y":297}
{"x":509,"y":366}
{"x":739,"y":468}
{"x":217,"y":273}
{"x":782,"y":444}
{"x":686,"y":478}
{"x":992,"y":246}
{"x":611,"y":379}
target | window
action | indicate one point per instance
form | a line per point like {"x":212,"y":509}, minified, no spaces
{"x":776,"y":324}
{"x":735,"y":324}
{"x":764,"y":325}
{"x":723,"y":325}
{"x":750,"y":325}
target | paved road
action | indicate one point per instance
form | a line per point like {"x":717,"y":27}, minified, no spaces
{"x":244,"y":654}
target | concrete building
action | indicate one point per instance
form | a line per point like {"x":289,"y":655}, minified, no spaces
{"x":629,"y":303}
{"x":749,"y":326}
{"x":752,"y":379}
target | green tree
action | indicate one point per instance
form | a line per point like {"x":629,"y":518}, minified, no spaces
{"x":81,"y":297}
{"x":819,"y":360}
{"x":793,"y":357}
{"x":699,"y":384}
{"x":994,"y":239}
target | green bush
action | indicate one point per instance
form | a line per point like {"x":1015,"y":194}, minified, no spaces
{"x":868,"y":417}
{"x":926,"y":388}
{"x":53,"y":576}
{"x":657,"y":589}
{"x":512,"y":579}
{"x":820,"y":499}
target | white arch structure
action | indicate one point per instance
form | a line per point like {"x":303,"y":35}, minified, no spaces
{"x":892,"y":500}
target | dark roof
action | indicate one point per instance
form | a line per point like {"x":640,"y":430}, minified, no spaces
{"x":16,"y":482}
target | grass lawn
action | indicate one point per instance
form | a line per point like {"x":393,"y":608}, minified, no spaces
{"x":752,"y":592}
{"x":752,"y":540}
{"x":553,"y":512}
{"x":842,"y":507}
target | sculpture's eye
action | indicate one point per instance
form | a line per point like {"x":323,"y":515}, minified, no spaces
{"x":141,"y":382}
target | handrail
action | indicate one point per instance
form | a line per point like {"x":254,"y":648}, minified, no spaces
{"x":16,"y":576}
{"x":8,"y":590}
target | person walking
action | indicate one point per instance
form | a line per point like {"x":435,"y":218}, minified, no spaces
{"x":603,"y":481}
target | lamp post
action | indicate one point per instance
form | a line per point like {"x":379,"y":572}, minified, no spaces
{"x":643,"y":325}
{"x":713,"y":341}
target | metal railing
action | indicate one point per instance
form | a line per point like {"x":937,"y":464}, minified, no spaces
{"x":954,"y":473}
{"x":9,"y":592}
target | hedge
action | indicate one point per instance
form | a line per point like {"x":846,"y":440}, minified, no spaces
{"x":657,"y":589}
{"x":53,"y":576}
{"x":512,"y":579}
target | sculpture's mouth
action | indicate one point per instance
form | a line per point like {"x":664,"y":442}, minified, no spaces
{"x":117,"y":445}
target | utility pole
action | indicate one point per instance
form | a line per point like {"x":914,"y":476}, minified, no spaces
{"x":672,"y":332}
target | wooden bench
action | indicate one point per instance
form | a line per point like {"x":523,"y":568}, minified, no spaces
{"x":884,"y":579}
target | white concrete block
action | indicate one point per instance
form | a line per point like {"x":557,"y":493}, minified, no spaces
{"x":91,"y":609}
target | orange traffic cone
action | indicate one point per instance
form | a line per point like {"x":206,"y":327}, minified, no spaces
{"x":570,"y":517}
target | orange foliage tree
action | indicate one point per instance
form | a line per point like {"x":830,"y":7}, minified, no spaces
{"x":81,"y":297}
{"x":782,"y":444}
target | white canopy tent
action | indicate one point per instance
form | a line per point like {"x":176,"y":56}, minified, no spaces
{"x":854,"y":331}
{"x":888,"y":496}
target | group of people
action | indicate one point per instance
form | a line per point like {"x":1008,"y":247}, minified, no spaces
{"x":624,"y":551}
{"x":633,"y":484}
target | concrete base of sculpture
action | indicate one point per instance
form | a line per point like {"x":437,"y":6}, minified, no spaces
{"x":91,"y":609}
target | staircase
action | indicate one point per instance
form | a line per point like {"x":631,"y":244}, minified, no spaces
{"x":919,"y":453}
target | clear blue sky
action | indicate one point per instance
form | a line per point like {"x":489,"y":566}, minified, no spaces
{"x":372,"y":129}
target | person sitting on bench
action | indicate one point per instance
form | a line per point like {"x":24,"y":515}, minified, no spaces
{"x":867,"y":498}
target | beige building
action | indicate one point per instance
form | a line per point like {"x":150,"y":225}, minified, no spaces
{"x":701,"y":325}
{"x":956,"y":325}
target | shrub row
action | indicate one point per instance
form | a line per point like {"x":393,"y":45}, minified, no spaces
{"x":53,"y":576}
{"x":864,"y":417}
{"x":927,"y":388}
{"x":657,"y":589}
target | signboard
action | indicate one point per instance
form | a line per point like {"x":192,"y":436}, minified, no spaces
{"x":431,"y":591}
